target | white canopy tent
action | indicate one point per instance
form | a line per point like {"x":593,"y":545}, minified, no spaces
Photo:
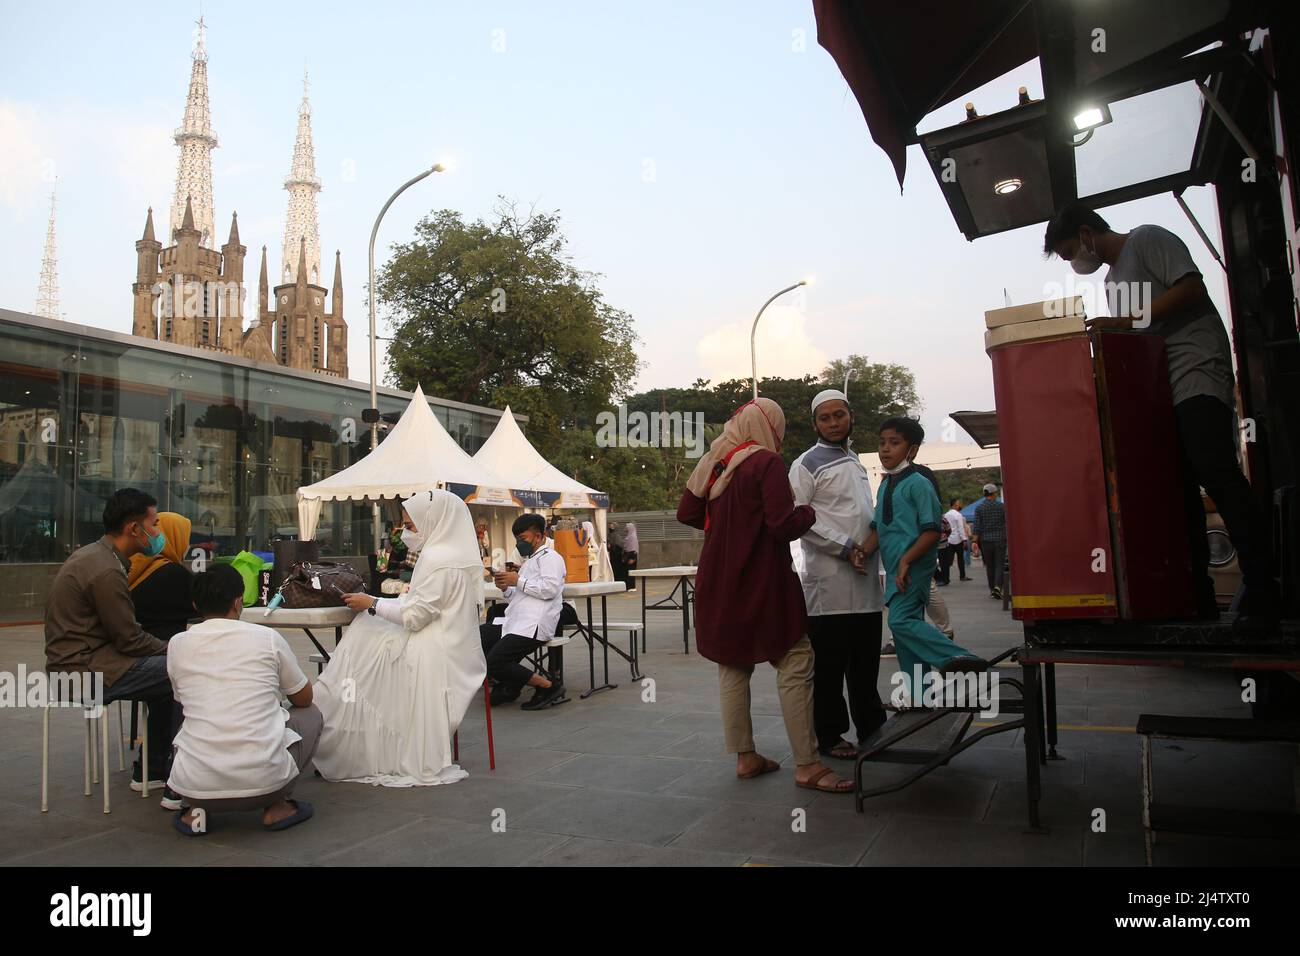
{"x":417,"y":455}
{"x":509,"y":455}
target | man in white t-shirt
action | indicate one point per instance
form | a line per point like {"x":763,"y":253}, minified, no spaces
{"x":238,"y":748}
{"x":958,"y":535}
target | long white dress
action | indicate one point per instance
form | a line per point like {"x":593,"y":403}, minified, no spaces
{"x":393,"y":694}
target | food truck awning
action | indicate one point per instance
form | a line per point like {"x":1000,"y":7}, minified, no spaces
{"x":903,"y":61}
{"x":981,"y":426}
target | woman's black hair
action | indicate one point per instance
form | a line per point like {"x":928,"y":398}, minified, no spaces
{"x":528,"y":522}
{"x":215,"y":590}
{"x":909,"y":428}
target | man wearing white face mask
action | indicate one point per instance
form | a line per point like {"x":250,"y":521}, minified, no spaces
{"x":1154,"y":287}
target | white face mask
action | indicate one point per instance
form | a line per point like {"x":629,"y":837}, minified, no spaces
{"x":1085,"y":261}
{"x":897,"y":468}
{"x":413,"y":540}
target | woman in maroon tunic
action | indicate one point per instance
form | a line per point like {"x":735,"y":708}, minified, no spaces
{"x":748,"y":601}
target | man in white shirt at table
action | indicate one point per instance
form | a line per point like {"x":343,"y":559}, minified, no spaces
{"x":535,"y":596}
{"x":238,"y":748}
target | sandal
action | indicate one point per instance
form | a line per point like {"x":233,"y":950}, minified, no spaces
{"x":305,"y":812}
{"x":769,"y":766}
{"x":836,"y":787}
{"x":185,"y":828}
{"x":842,"y":750}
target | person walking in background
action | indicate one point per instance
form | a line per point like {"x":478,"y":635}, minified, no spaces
{"x":989,"y":535}
{"x":844,"y":608}
{"x":616,"y":553}
{"x":958,"y":533}
{"x":748,"y":601}
{"x":630,"y":548}
{"x":160,"y":583}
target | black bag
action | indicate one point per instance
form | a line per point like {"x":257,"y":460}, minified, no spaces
{"x":289,"y":552}
{"x":320,"y":584}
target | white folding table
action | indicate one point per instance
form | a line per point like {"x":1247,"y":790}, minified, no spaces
{"x":685,"y":575}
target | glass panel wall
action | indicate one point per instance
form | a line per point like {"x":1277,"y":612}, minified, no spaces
{"x":221,"y":442}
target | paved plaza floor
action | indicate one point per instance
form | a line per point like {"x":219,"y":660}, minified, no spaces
{"x":622,"y":779}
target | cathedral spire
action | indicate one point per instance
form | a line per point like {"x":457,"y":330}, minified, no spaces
{"x":300,"y":227}
{"x":47,"y":296}
{"x":196,"y":140}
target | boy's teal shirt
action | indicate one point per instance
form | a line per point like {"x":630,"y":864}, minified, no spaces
{"x":915,"y":508}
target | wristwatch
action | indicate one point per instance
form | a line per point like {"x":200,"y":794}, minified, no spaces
{"x":373,"y":604}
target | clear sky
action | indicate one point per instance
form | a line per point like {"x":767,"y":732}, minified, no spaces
{"x":702,"y":155}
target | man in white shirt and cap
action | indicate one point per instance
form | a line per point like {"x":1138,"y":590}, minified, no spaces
{"x":844,"y":603}
{"x":536,"y":597}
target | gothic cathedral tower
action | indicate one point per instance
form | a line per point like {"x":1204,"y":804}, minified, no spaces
{"x":192,"y":293}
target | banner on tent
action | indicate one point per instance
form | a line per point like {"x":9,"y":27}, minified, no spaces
{"x":483,"y":495}
{"x":519,"y":498}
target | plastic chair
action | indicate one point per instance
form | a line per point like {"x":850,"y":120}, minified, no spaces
{"x":487,"y":710}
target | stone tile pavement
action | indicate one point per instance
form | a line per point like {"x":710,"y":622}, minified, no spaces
{"x":620,"y":779}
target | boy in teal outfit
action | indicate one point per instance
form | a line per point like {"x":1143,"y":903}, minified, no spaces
{"x":906,"y":532}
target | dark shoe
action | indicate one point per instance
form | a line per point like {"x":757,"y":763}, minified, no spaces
{"x":545,"y":697}
{"x":171,"y":800}
{"x":501,"y":694}
{"x":964,"y":665}
{"x":155,"y":782}
{"x":996,"y":593}
{"x":963,"y":579}
{"x":889,"y":650}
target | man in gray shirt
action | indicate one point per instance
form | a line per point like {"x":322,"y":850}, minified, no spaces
{"x":1154,"y":287}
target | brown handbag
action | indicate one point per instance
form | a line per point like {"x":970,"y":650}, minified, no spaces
{"x":300,"y":588}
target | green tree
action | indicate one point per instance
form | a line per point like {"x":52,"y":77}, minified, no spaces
{"x":495,"y":313}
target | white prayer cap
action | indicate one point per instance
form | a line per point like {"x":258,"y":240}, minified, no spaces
{"x":826,"y":395}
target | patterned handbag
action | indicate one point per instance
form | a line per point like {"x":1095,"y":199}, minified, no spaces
{"x":320,"y":584}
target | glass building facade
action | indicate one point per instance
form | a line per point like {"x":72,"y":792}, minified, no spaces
{"x":222,"y":440}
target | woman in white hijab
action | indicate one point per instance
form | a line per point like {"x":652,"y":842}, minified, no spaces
{"x":398,"y":685}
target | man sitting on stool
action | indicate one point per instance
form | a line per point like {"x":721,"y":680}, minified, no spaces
{"x":535,"y":594}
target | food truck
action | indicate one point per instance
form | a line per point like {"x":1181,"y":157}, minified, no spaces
{"x":1101,"y":576}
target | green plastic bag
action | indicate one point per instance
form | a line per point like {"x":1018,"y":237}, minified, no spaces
{"x":249,"y":567}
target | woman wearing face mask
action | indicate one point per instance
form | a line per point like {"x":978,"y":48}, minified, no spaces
{"x":399,"y":683}
{"x":159,"y":581}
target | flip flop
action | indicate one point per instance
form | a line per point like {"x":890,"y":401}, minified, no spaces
{"x":769,"y":766}
{"x":182,"y":827}
{"x":815,"y":783}
{"x":305,"y":812}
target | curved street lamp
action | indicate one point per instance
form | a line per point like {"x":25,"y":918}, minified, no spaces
{"x":753,"y":352}
{"x":374,"y":394}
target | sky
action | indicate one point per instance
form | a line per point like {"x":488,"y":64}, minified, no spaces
{"x":702,"y":156}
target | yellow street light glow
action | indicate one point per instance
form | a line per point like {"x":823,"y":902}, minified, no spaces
{"x":807,"y":280}
{"x":1007,"y":186}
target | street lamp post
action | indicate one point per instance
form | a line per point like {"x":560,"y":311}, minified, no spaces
{"x":374,"y":393}
{"x":753,"y":332}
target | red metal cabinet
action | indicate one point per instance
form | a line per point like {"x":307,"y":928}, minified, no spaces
{"x":1095,"y":526}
